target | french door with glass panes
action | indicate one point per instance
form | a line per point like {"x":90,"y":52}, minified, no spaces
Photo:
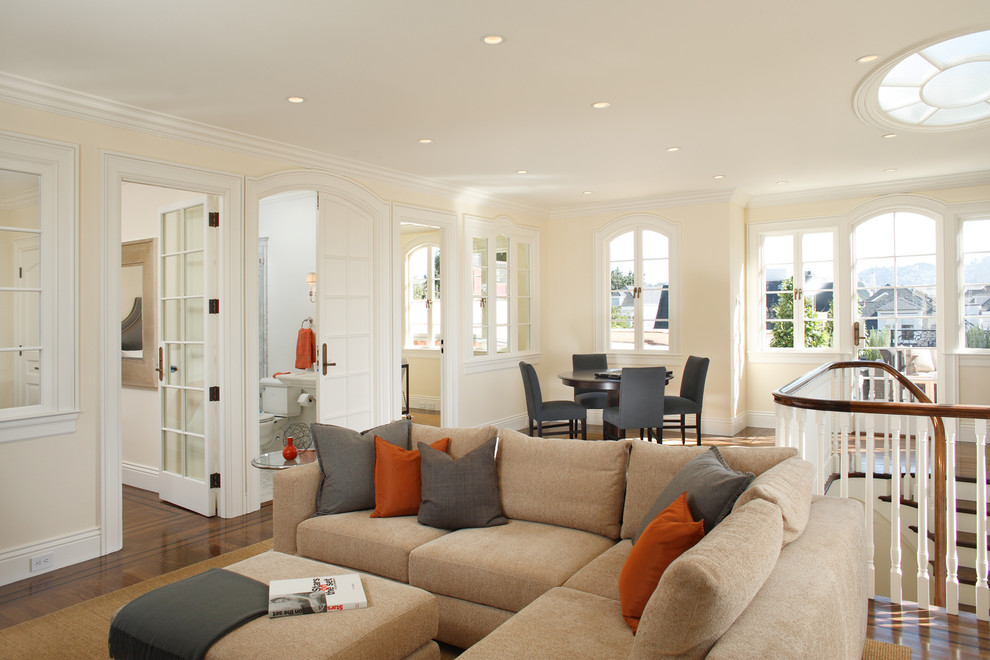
{"x":187,"y":359}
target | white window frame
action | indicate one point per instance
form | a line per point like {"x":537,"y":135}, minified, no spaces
{"x":756,"y":315}
{"x":961,"y":347}
{"x":603,"y":286}
{"x":797,"y":234}
{"x":56,"y":164}
{"x":408,"y":250}
{"x":477,"y":227}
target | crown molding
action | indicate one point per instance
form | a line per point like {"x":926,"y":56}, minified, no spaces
{"x":874,"y":189}
{"x":694,"y":198}
{"x":63,"y":101}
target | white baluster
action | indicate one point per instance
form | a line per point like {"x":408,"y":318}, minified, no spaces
{"x":924,"y":594}
{"x":844,"y":456}
{"x":802,"y":423}
{"x":871,"y":571}
{"x":822,"y":446}
{"x":886,"y":445}
{"x":857,"y":460}
{"x":982,"y":590}
{"x":907,"y":424}
{"x":951,"y":524}
{"x":895,"y":516}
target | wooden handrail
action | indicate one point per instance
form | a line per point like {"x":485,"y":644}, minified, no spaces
{"x":922,"y":407}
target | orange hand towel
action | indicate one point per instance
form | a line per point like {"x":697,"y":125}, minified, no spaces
{"x":305,"y":348}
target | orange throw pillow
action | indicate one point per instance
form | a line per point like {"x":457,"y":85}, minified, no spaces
{"x":669,"y":535}
{"x":398,"y":485}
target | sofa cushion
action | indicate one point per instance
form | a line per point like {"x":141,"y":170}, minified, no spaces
{"x":398,"y":485}
{"x":562,"y":623}
{"x":347,"y":460}
{"x":600,"y":576}
{"x":788,"y":485}
{"x":816,"y":595}
{"x":548,"y":480}
{"x":664,"y":540}
{"x":705,"y":589}
{"x":507,"y":566}
{"x":462,"y":440}
{"x":712,"y":488}
{"x":377,"y":545}
{"x":651,"y":467}
{"x":461,"y":493}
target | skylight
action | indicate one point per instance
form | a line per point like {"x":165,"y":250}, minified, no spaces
{"x":943,"y":86}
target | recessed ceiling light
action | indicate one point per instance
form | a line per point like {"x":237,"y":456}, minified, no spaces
{"x":672,"y":149}
{"x":493,"y":39}
{"x":296,"y":99}
{"x":782,"y":183}
{"x":522,"y":171}
{"x":425,"y":141}
{"x":587,"y":192}
{"x":866,"y":59}
{"x":890,"y":169}
{"x":887,"y":136}
{"x":600,"y":105}
{"x":719,"y":176}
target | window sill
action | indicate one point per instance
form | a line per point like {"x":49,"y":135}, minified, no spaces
{"x":38,"y":426}
{"x":422,"y":353}
{"x":794,"y":357}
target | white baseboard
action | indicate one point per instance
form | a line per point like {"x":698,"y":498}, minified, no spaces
{"x":761,"y":420}
{"x":140,"y":476}
{"x":15,"y":564}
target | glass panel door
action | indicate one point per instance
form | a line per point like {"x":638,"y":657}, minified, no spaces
{"x":894,"y":268}
{"x":188,"y":425}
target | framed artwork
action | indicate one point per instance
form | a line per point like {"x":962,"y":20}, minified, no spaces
{"x":138,"y":313}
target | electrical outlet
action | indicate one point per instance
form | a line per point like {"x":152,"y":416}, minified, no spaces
{"x":42,"y":562}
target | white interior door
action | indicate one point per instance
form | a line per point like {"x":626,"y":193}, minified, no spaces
{"x":345,"y":309}
{"x":187,"y":356}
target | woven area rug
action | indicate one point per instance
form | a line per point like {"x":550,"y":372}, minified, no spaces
{"x":80,"y":631}
{"x":875,"y":650}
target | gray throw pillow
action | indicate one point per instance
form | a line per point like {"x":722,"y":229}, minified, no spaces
{"x":712,"y":488}
{"x":462,"y":493}
{"x":347,"y":460}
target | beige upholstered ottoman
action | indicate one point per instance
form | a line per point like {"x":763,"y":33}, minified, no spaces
{"x":399,"y":622}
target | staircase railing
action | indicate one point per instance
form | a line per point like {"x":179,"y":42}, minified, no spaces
{"x":869,"y":428}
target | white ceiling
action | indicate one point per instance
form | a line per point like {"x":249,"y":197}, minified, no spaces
{"x":759,"y":91}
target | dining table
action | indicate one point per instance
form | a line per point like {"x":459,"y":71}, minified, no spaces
{"x":590,"y":380}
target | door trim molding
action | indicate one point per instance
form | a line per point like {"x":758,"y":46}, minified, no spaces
{"x":118,"y":168}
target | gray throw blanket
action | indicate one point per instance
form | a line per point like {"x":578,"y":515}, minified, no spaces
{"x":182,"y":620}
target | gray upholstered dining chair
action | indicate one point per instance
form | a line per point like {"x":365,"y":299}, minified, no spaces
{"x":640,"y":403}
{"x":551,"y":417}
{"x":590,"y":362}
{"x":691,"y":398}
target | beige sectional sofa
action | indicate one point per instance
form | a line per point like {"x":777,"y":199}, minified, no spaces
{"x":782,"y":576}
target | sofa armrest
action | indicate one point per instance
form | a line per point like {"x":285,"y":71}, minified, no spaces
{"x":293,"y":501}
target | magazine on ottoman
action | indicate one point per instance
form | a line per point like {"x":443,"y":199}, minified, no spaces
{"x":315,"y":595}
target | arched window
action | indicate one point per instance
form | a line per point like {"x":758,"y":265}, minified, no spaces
{"x":422,"y":311}
{"x":638,"y":285}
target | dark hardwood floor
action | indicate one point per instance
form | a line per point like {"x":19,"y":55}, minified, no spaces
{"x":159,"y":538}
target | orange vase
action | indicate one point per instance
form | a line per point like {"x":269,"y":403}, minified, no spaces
{"x":289,"y":451}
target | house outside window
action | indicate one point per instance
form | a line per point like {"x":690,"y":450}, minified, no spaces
{"x":38,"y":363}
{"x":797,"y":282}
{"x":975,"y":305}
{"x":503,"y":282}
{"x":638,"y":285}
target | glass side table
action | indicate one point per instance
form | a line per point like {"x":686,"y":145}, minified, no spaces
{"x":273,"y":460}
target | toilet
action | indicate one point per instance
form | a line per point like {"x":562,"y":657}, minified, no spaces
{"x":279,"y":402}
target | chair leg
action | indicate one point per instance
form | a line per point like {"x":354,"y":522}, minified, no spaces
{"x":697,"y":426}
{"x":539,"y":429}
{"x":584,"y":429}
{"x":531,"y":428}
{"x":683,"y":429}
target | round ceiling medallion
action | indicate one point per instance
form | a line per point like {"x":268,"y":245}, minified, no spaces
{"x":939,"y":87}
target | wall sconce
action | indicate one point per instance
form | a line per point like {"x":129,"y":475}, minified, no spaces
{"x":311,"y":281}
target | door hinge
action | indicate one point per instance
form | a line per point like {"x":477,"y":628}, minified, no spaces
{"x":214,"y":218}
{"x":20,"y":272}
{"x":215,"y":480}
{"x":215,"y":393}
{"x":214,"y":306}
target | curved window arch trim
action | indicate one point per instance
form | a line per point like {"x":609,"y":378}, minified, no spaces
{"x":602,"y":308}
